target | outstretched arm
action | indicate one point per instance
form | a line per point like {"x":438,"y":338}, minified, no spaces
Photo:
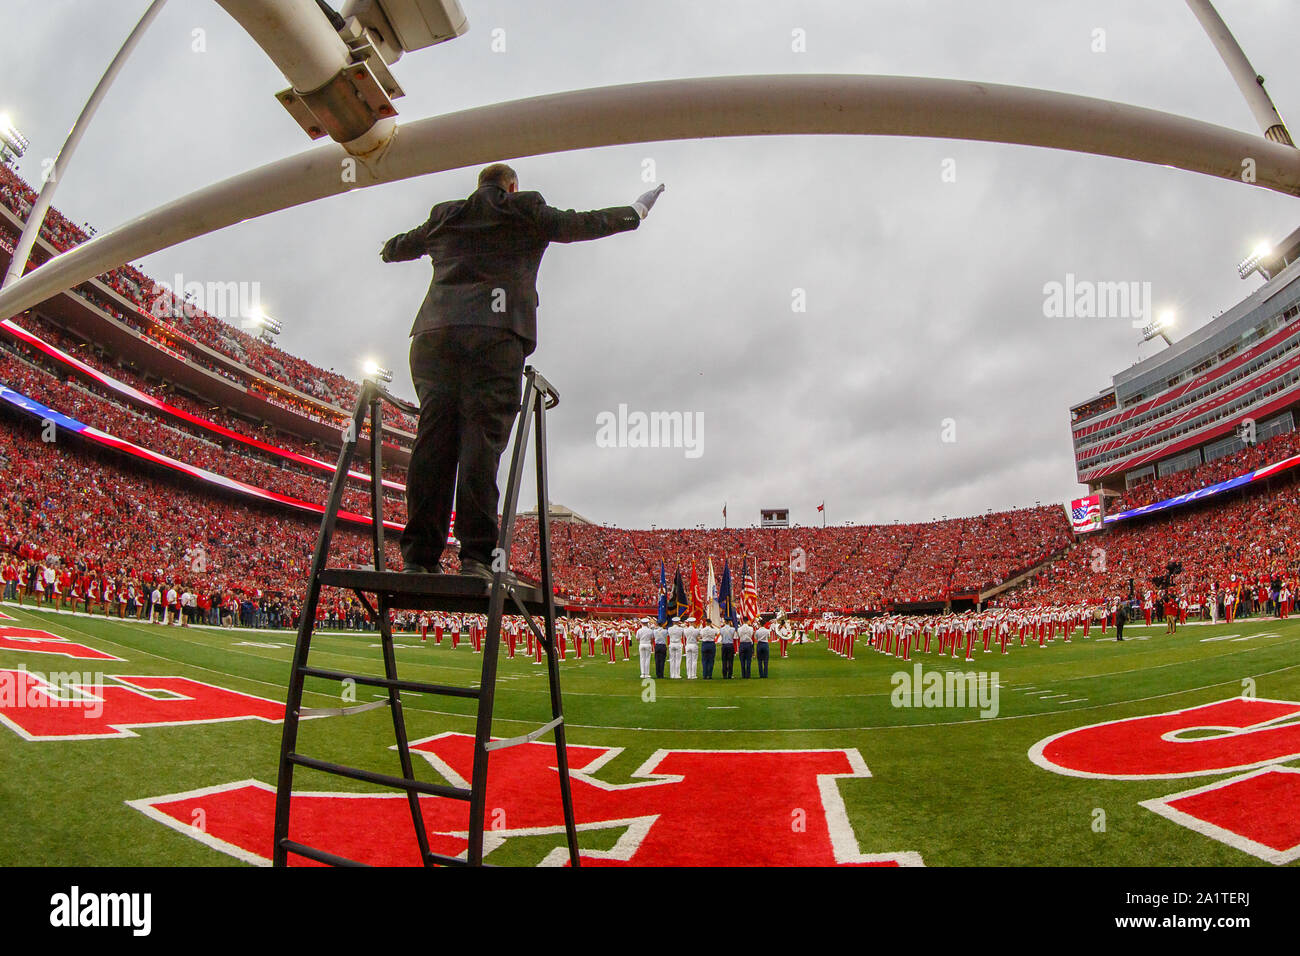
{"x":560,"y":225}
{"x":408,"y":245}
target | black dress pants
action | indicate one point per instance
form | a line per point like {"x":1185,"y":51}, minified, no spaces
{"x":708,"y":651}
{"x":468,"y":379}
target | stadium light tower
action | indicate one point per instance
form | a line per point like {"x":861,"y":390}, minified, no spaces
{"x":266,"y":326}
{"x":376,"y":372}
{"x":13,"y":144}
{"x":1160,"y":327}
{"x":1255,"y":262}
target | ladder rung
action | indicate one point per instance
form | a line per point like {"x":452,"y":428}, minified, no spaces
{"x":333,"y":859}
{"x":341,"y":711}
{"x":320,"y":856}
{"x":523,"y":738}
{"x":444,"y":689}
{"x":383,"y":779}
{"x":445,"y":860}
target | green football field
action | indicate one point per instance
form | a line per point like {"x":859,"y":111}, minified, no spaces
{"x":668,"y":770}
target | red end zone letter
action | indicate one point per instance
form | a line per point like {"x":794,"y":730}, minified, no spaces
{"x":1233,"y":734}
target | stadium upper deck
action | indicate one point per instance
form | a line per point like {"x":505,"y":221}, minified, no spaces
{"x":1183,"y":407}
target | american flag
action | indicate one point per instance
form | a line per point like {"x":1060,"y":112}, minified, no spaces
{"x":749,"y":595}
{"x":1085,"y":513}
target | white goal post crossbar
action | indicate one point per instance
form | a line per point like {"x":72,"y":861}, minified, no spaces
{"x":667,"y":110}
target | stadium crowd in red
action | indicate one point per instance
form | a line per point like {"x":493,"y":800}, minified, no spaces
{"x":88,"y":512}
{"x":146,"y":430}
{"x":864,"y":566}
{"x":1267,"y":452}
{"x":95,"y":513}
{"x":1225,"y":545}
{"x":56,"y":337}
{"x":189,"y":323}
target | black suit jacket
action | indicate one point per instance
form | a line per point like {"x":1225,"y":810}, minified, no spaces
{"x":486,"y":251}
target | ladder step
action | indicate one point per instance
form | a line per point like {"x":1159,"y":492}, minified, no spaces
{"x":524,"y":738}
{"x":432,"y":592}
{"x":383,"y":779}
{"x":320,"y":856}
{"x":446,"y":690}
{"x":445,"y":860}
{"x":333,"y":859}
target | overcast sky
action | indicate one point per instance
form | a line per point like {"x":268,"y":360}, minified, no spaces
{"x":924,"y":297}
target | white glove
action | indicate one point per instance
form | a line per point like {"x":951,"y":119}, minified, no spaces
{"x":645,"y":202}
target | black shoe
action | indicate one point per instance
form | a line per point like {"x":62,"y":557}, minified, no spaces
{"x":476,"y":569}
{"x":409,"y":568}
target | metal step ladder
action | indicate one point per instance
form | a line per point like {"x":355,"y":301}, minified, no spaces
{"x":437,"y":592}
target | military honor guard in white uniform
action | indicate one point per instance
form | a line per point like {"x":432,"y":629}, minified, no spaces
{"x":645,"y":641}
{"x":676,"y":636}
{"x":692,"y":636}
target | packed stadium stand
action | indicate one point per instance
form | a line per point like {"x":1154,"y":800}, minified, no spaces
{"x":250,"y":435}
{"x":1185,"y":406}
{"x":1235,"y":544}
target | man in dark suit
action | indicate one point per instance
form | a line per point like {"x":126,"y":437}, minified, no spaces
{"x":477,"y":324}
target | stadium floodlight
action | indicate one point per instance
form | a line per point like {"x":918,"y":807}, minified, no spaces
{"x":376,"y":372}
{"x":1254,"y":262}
{"x":11,"y":141}
{"x":1160,"y":327}
{"x":265,"y":325}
